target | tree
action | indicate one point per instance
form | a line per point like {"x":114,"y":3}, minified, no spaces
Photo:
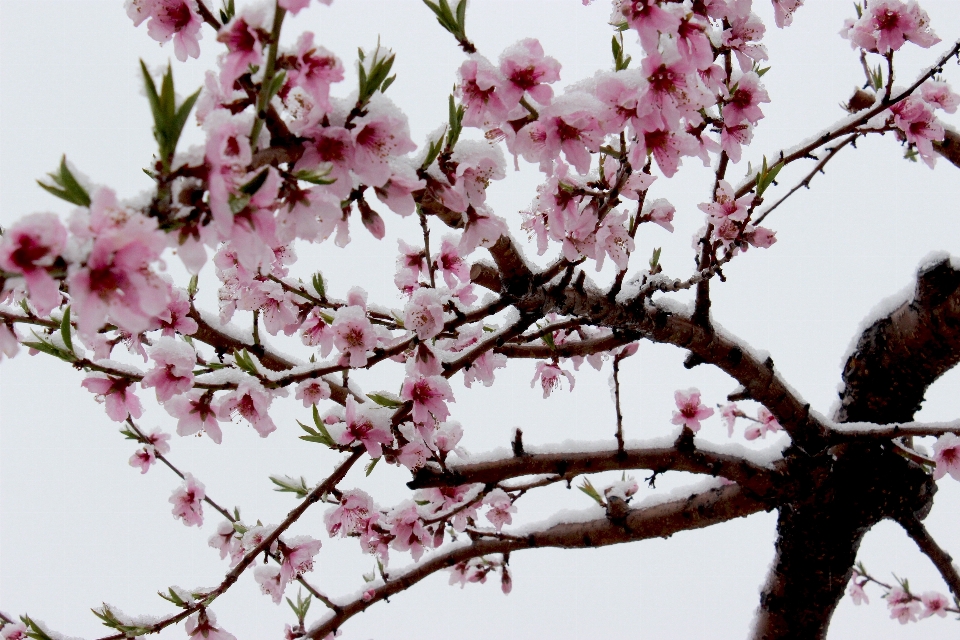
{"x":822,"y":483}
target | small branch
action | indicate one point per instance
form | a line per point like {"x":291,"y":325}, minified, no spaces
{"x":940,"y":558}
{"x":264,"y":98}
{"x":850,"y":431}
{"x":207,"y":16}
{"x":806,"y":181}
{"x":616,"y":402}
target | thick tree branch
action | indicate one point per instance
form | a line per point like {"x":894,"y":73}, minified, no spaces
{"x":660,"y":521}
{"x":757,"y":480}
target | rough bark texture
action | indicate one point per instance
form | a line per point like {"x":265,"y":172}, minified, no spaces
{"x":853,"y":486}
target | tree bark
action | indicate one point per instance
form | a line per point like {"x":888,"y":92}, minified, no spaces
{"x":851,"y":487}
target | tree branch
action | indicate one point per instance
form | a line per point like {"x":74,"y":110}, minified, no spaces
{"x":940,"y":558}
{"x":660,"y":521}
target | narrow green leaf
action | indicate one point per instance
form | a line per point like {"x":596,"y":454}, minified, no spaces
{"x":385,"y":399}
{"x":65,"y":329}
{"x":319,"y":285}
{"x":369,"y":468}
{"x":251,"y":187}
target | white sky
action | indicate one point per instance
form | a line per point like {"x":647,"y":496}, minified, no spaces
{"x":78,"y":526}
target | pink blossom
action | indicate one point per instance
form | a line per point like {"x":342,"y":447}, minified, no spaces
{"x":224,"y":539}
{"x":312,"y":391}
{"x":568,"y":126}
{"x":483,"y":229}
{"x":549,"y":375}
{"x":332,"y":147}
{"x":176,"y":19}
{"x":405,"y":524}
{"x":783,"y":11}
{"x":173,"y":371}
{"x":298,"y":556}
{"x":745,"y":31}
{"x":480,"y":91}
{"x":352,"y":516}
{"x":295,"y":6}
{"x":766,"y":423}
{"x":414,"y":455}
{"x":29,"y":247}
{"x":203,"y":625}
{"x":667,"y":147}
{"x":857,"y":594}
{"x":730,"y":413}
{"x":613,"y":239}
{"x":377,"y":137}
{"x":116,"y":394}
{"x":443,"y":500}
{"x":660,"y":212}
{"x":451,"y":264}
{"x":9,"y":346}
{"x":423,"y":314}
{"x":371,"y":427}
{"x":353,"y":334}
{"x":693,"y":44}
{"x":691,"y":411}
{"x":251,"y":402}
{"x":648,"y":19}
{"x":939,"y":95}
{"x":175,"y":318}
{"x":526,"y":70}
{"x":116,"y":280}
{"x":423,"y":361}
{"x":143,"y":458}
{"x":195,"y":413}
{"x":315,"y":332}
{"x":946,"y":453}
{"x":271,"y":581}
{"x":934,"y":603}
{"x":902,"y":606}
{"x":478,"y":163}
{"x":482,"y":368}
{"x":743,"y":100}
{"x":187,"y":501}
{"x":733,"y":138}
{"x":397,"y":193}
{"x":429,"y":396}
{"x":242,"y":37}
{"x":501,"y":506}
{"x":919,"y":125}
{"x":759,"y":237}
{"x":725,"y":206}
{"x":315,"y":69}
{"x":14,"y":631}
{"x":886,"y":24}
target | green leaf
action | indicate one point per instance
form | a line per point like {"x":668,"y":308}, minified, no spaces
{"x":193,"y":286}
{"x":315,"y":177}
{"x":245,"y":362}
{"x":67,"y":188}
{"x":369,"y":468}
{"x":655,"y":259}
{"x":34,"y":630}
{"x":588,"y":488}
{"x":385,"y":399}
{"x":251,"y":187}
{"x":318,"y":284}
{"x":286,"y":484}
{"x":65,"y":329}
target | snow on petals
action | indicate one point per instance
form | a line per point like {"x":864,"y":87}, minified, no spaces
{"x":203,"y":625}
{"x":501,"y":508}
{"x":429,"y":396}
{"x":170,"y":19}
{"x":252,"y":402}
{"x":173,"y":373}
{"x":691,"y":411}
{"x":187,"y":501}
{"x":29,"y":247}
{"x":370,"y":427}
{"x":116,"y":394}
{"x":886,"y":24}
{"x":424,"y":314}
{"x":353,"y":334}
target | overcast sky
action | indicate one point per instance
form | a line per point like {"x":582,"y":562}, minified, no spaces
{"x":78,"y":526}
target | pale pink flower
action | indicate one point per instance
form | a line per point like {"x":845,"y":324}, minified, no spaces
{"x":567,"y":126}
{"x":613,"y":239}
{"x":14,"y":631}
{"x":295,"y":6}
{"x":429,"y":396}
{"x":939,"y":96}
{"x":9,"y":346}
{"x":298,"y":555}
{"x":783,"y":11}
{"x":691,"y":411}
{"x":315,"y":69}
{"x":648,"y":19}
{"x":377,"y":137}
{"x":548,"y":374}
{"x":483,"y":229}
{"x":447,"y":436}
{"x":623,"y":489}
{"x":414,"y":455}
{"x":734,"y":137}
{"x":919,"y":125}
{"x":371,"y":427}
{"x":667,"y":147}
{"x":397,"y":193}
{"x":170,"y":19}
{"x":501,"y":508}
{"x":443,"y":500}
{"x":352,"y":516}
{"x":224,"y":539}
{"x":29,"y":247}
{"x":759,"y":237}
{"x":410,"y":534}
{"x":423,"y":314}
{"x":175,"y":318}
{"x":203,"y":625}
{"x":946,"y":453}
{"x":173,"y":370}
{"x":746,"y":29}
{"x":353,"y":334}
{"x":480,"y":90}
{"x":887,"y":24}
{"x":187,"y":501}
{"x":856,"y":592}
{"x":194,"y":413}
{"x":726,"y":206}
{"x":333,"y":148}
{"x":730,"y":413}
{"x":478,"y":164}
{"x":423,"y":361}
{"x":251,"y":402}
{"x":482,"y":368}
{"x":526,"y":69}
{"x":116,"y":394}
{"x":743,"y":100}
{"x":271,"y":581}
{"x":312,"y":391}
{"x":902,"y":606}
{"x":934,"y":603}
{"x":766,"y":423}
{"x":660,"y":212}
{"x":315,"y":332}
{"x":143,"y":458}
{"x":242,"y":37}
{"x":451,"y":264}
